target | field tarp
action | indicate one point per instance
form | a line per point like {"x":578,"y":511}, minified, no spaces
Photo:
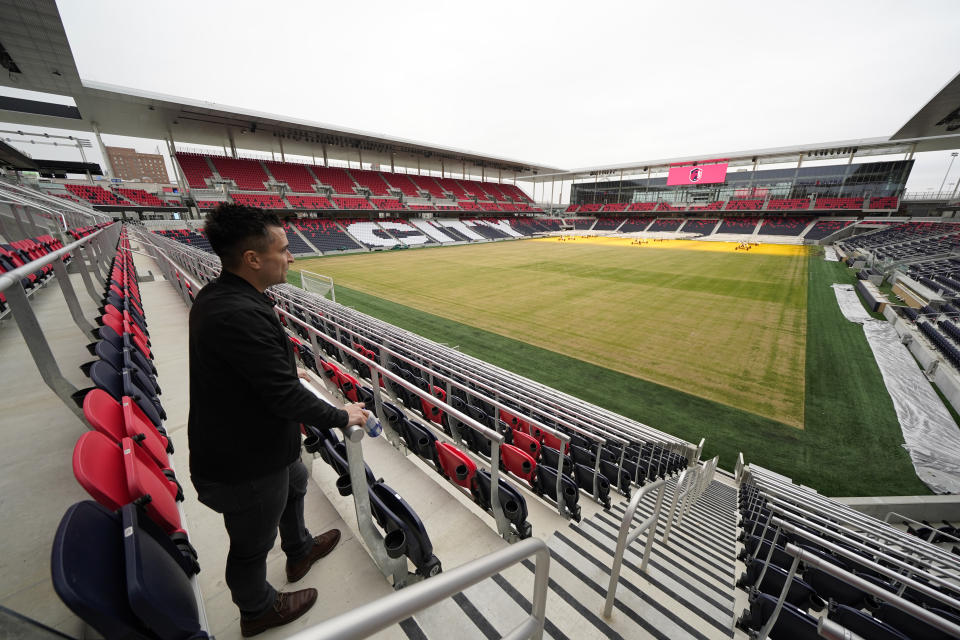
{"x":929,"y":432}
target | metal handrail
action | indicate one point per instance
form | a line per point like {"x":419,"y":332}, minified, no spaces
{"x":15,"y":276}
{"x":681,"y":489}
{"x":812,"y":560}
{"x":367,"y":619}
{"x":933,"y":530}
{"x":626,"y":536}
{"x":780,"y":487}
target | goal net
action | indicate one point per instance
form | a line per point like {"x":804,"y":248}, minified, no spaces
{"x":316,"y":283}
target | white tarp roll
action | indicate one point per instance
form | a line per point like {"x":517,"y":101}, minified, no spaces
{"x":929,"y":432}
{"x":830,"y":254}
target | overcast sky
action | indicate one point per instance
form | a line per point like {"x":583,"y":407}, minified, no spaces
{"x":567,"y":84}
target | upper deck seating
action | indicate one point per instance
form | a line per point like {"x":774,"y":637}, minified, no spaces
{"x":738,"y":225}
{"x":473,"y":189}
{"x":387,"y":204}
{"x":335,"y":177}
{"x":352,"y":203}
{"x":572,"y":208}
{"x":642,"y":206}
{"x":407,"y":185}
{"x":246,"y":174}
{"x":788,"y":204}
{"x":592,"y":207}
{"x":452,"y":186}
{"x":493,"y":189}
{"x":666,"y":206}
{"x":187,"y":236}
{"x":195,"y":169}
{"x":699,"y":226}
{"x":422,"y":183}
{"x":142,"y":197}
{"x":326,"y":235}
{"x":309,"y":202}
{"x":260,"y":200}
{"x":891,"y":202}
{"x":96,"y":195}
{"x":713,"y":206}
{"x":469,"y":205}
{"x":784,"y":226}
{"x":824,"y":228}
{"x":515,"y":193}
{"x":296,"y":176}
{"x":371,"y":180}
{"x":839,"y":203}
{"x":210,"y":204}
{"x":615,"y":206}
{"x":744,"y":205}
{"x":489,"y":206}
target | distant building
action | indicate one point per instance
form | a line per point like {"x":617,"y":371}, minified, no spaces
{"x":129,"y":165}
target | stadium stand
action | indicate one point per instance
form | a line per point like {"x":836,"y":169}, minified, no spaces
{"x":608,"y":224}
{"x":371,"y":180}
{"x":697,"y":225}
{"x":209,"y":204}
{"x":407,"y":185}
{"x":188,"y":237}
{"x":452,"y":186}
{"x":640,"y":224}
{"x":642,"y":206}
{"x":352,"y":203}
{"x":784,"y":226}
{"x":326,"y":235}
{"x":891,"y":203}
{"x":387,"y":204}
{"x":309,"y":202}
{"x":787,"y":204}
{"x":295,"y":176}
{"x":263,"y":201}
{"x":838,"y":203}
{"x":572,"y":208}
{"x":96,"y":195}
{"x":824,"y":228}
{"x":297,"y":246}
{"x":744,"y":205}
{"x":422,"y":183}
{"x":666,"y":206}
{"x":248,"y":175}
{"x":590,"y":208}
{"x":713,"y":206}
{"x":142,"y":197}
{"x":515,"y":193}
{"x":195,"y":169}
{"x":469,"y":205}
{"x":737,"y":225}
{"x":338,"y":179}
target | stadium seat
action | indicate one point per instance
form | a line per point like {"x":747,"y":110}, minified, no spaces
{"x":863,"y":624}
{"x":120,"y":420}
{"x":405,"y":533}
{"x":455,"y":464}
{"x":518,"y":462}
{"x":546,"y":485}
{"x":791,"y":624}
{"x":511,"y":501}
{"x":89,"y":571}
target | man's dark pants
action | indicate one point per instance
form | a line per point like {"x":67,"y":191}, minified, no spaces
{"x":252,"y":512}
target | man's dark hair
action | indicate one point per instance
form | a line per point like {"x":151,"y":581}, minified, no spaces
{"x":234,"y":229}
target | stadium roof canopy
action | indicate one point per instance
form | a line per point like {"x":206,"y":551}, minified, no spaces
{"x":35,"y":55}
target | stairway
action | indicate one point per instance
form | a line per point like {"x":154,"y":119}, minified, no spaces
{"x":687,"y":591}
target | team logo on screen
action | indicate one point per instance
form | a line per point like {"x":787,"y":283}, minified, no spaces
{"x":695,"y":174}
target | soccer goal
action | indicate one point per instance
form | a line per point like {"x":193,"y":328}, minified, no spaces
{"x":316,"y":283}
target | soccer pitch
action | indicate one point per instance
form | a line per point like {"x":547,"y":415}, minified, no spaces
{"x":725,"y":325}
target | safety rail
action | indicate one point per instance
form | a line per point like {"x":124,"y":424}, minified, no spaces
{"x":564,"y":438}
{"x":738,"y":469}
{"x":377,"y":370}
{"x":933,"y":530}
{"x":68,"y":213}
{"x":100,"y":245}
{"x":626,"y":536}
{"x":812,"y":560}
{"x":778,"y":490}
{"x":691,"y":484}
{"x":365,"y":620}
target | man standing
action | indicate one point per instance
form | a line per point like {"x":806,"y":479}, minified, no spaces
{"x":246,"y":404}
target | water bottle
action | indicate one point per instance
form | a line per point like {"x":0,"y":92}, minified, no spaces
{"x":373,"y":426}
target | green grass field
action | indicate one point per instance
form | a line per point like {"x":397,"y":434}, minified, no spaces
{"x":747,"y":350}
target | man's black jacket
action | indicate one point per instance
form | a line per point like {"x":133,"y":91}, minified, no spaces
{"x":246,"y":401}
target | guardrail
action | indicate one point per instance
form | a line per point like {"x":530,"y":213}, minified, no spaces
{"x":375,"y":616}
{"x":98,"y":244}
{"x":627,"y":536}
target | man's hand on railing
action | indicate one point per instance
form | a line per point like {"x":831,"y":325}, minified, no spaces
{"x":356,"y":414}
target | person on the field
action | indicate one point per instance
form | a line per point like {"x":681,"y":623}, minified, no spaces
{"x":246,"y":403}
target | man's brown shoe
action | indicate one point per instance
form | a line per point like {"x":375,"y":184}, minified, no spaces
{"x":322,"y":545}
{"x":286,"y":608}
